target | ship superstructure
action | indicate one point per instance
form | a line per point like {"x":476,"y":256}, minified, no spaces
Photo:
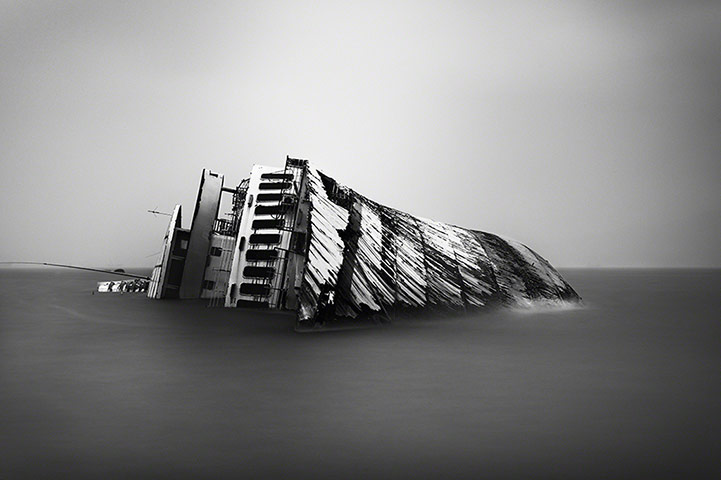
{"x":297,"y":240}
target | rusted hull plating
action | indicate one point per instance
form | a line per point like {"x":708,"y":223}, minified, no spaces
{"x":376,"y":258}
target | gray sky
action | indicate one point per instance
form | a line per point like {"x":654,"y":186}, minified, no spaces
{"x":590,"y":131}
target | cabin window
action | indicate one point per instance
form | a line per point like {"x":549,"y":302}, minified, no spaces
{"x":272,"y":209}
{"x":277,"y":176}
{"x":208,"y":284}
{"x":268,"y":223}
{"x":254,"y":288}
{"x":260,"y":255}
{"x":258,"y":272}
{"x":216,"y":251}
{"x":274,"y":186}
{"x":265,"y":238}
{"x":269,"y":197}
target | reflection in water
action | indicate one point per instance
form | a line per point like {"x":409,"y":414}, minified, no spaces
{"x":122,"y":385}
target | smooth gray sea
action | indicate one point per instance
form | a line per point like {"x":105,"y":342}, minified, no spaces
{"x":120,"y":386}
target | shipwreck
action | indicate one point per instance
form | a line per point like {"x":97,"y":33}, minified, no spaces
{"x":295,"y":239}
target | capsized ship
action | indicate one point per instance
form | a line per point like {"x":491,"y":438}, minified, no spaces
{"x":295,"y":239}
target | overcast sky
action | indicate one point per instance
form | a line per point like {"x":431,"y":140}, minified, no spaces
{"x":590,"y":131}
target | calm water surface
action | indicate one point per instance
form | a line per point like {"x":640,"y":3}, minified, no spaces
{"x":108,"y":385}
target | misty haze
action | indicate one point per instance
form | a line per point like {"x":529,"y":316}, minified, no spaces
{"x":360,"y":239}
